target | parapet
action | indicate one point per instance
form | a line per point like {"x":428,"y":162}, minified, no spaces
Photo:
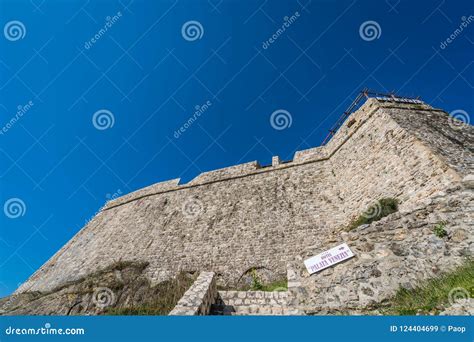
{"x":348,"y":126}
{"x":315,"y":153}
{"x":149,"y":190}
{"x":224,"y":173}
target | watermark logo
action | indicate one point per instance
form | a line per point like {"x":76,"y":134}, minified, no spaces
{"x":192,"y":30}
{"x":115,"y":195}
{"x":14,"y":208}
{"x":103,"y":119}
{"x":47,"y":329}
{"x":458,"y":295}
{"x":21,"y":110}
{"x":458,"y":119}
{"x":287,"y":22}
{"x":373,"y":211}
{"x":199,"y":110}
{"x":14,"y":30}
{"x":103,"y":297}
{"x":109,"y":22}
{"x":281,"y":119}
{"x":465,"y":21}
{"x":370,"y":30}
{"x":192,"y":208}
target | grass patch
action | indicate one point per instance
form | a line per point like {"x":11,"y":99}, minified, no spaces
{"x":278,"y":285}
{"x":439,"y":230}
{"x":383,"y":207}
{"x":432,"y":296}
{"x":258,"y":285}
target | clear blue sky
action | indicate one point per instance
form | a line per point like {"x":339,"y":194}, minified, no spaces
{"x":150,"y":78}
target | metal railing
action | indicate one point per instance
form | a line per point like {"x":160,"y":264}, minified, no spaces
{"x":363,"y":94}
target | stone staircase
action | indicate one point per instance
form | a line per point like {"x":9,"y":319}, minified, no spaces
{"x":241,"y":303}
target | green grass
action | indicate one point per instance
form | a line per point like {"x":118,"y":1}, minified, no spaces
{"x":383,"y":207}
{"x":439,"y":230}
{"x":431,"y":296}
{"x":278,"y":285}
{"x":138,"y":311}
{"x":258,"y":285}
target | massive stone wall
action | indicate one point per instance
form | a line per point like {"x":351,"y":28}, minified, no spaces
{"x":243,"y":217}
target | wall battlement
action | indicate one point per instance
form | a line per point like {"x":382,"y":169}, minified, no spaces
{"x":315,"y":154}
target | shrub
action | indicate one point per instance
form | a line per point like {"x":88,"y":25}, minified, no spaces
{"x":439,"y":230}
{"x":383,"y":207}
{"x":257,"y":284}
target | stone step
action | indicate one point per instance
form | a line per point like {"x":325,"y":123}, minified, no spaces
{"x":237,"y":298}
{"x":246,"y":310}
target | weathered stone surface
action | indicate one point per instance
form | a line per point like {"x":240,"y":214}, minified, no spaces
{"x":254,"y":303}
{"x":120,"y":287}
{"x":375,"y":275}
{"x":464,"y":307}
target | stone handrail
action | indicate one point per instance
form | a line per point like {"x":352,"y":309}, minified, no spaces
{"x":198,"y":298}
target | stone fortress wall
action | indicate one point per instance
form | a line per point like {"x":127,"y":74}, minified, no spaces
{"x":234,"y":219}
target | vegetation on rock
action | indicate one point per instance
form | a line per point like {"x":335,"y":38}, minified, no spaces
{"x":439,"y":230}
{"x":259,"y":285}
{"x":383,"y":207}
{"x":119,"y":289}
{"x":162,"y":299}
{"x":432,"y":296}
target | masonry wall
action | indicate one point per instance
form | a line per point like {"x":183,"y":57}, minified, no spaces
{"x":398,"y":251}
{"x":231,"y":220}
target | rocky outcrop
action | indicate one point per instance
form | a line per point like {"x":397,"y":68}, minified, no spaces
{"x":121,"y":288}
{"x":463,"y":307}
{"x":400,"y":250}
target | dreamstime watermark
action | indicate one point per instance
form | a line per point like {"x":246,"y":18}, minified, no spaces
{"x":465,"y":21}
{"x":108,"y":197}
{"x":459,"y":295}
{"x":458,"y":119}
{"x":14,"y":30}
{"x":199,"y":110}
{"x":21,"y":110}
{"x":46,"y":330}
{"x":287,"y":22}
{"x":103,"y":297}
{"x":374,"y":210}
{"x":103,"y":119}
{"x":192,"y":208}
{"x":370,"y":30}
{"x":192,"y":30}
{"x":281,"y":119}
{"x":115,"y":195}
{"x":14,"y":208}
{"x":109,"y":22}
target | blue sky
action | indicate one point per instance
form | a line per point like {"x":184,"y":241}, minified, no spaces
{"x":145,"y":78}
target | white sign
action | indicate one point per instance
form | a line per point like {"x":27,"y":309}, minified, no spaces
{"x":328,"y":258}
{"x":399,"y":99}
